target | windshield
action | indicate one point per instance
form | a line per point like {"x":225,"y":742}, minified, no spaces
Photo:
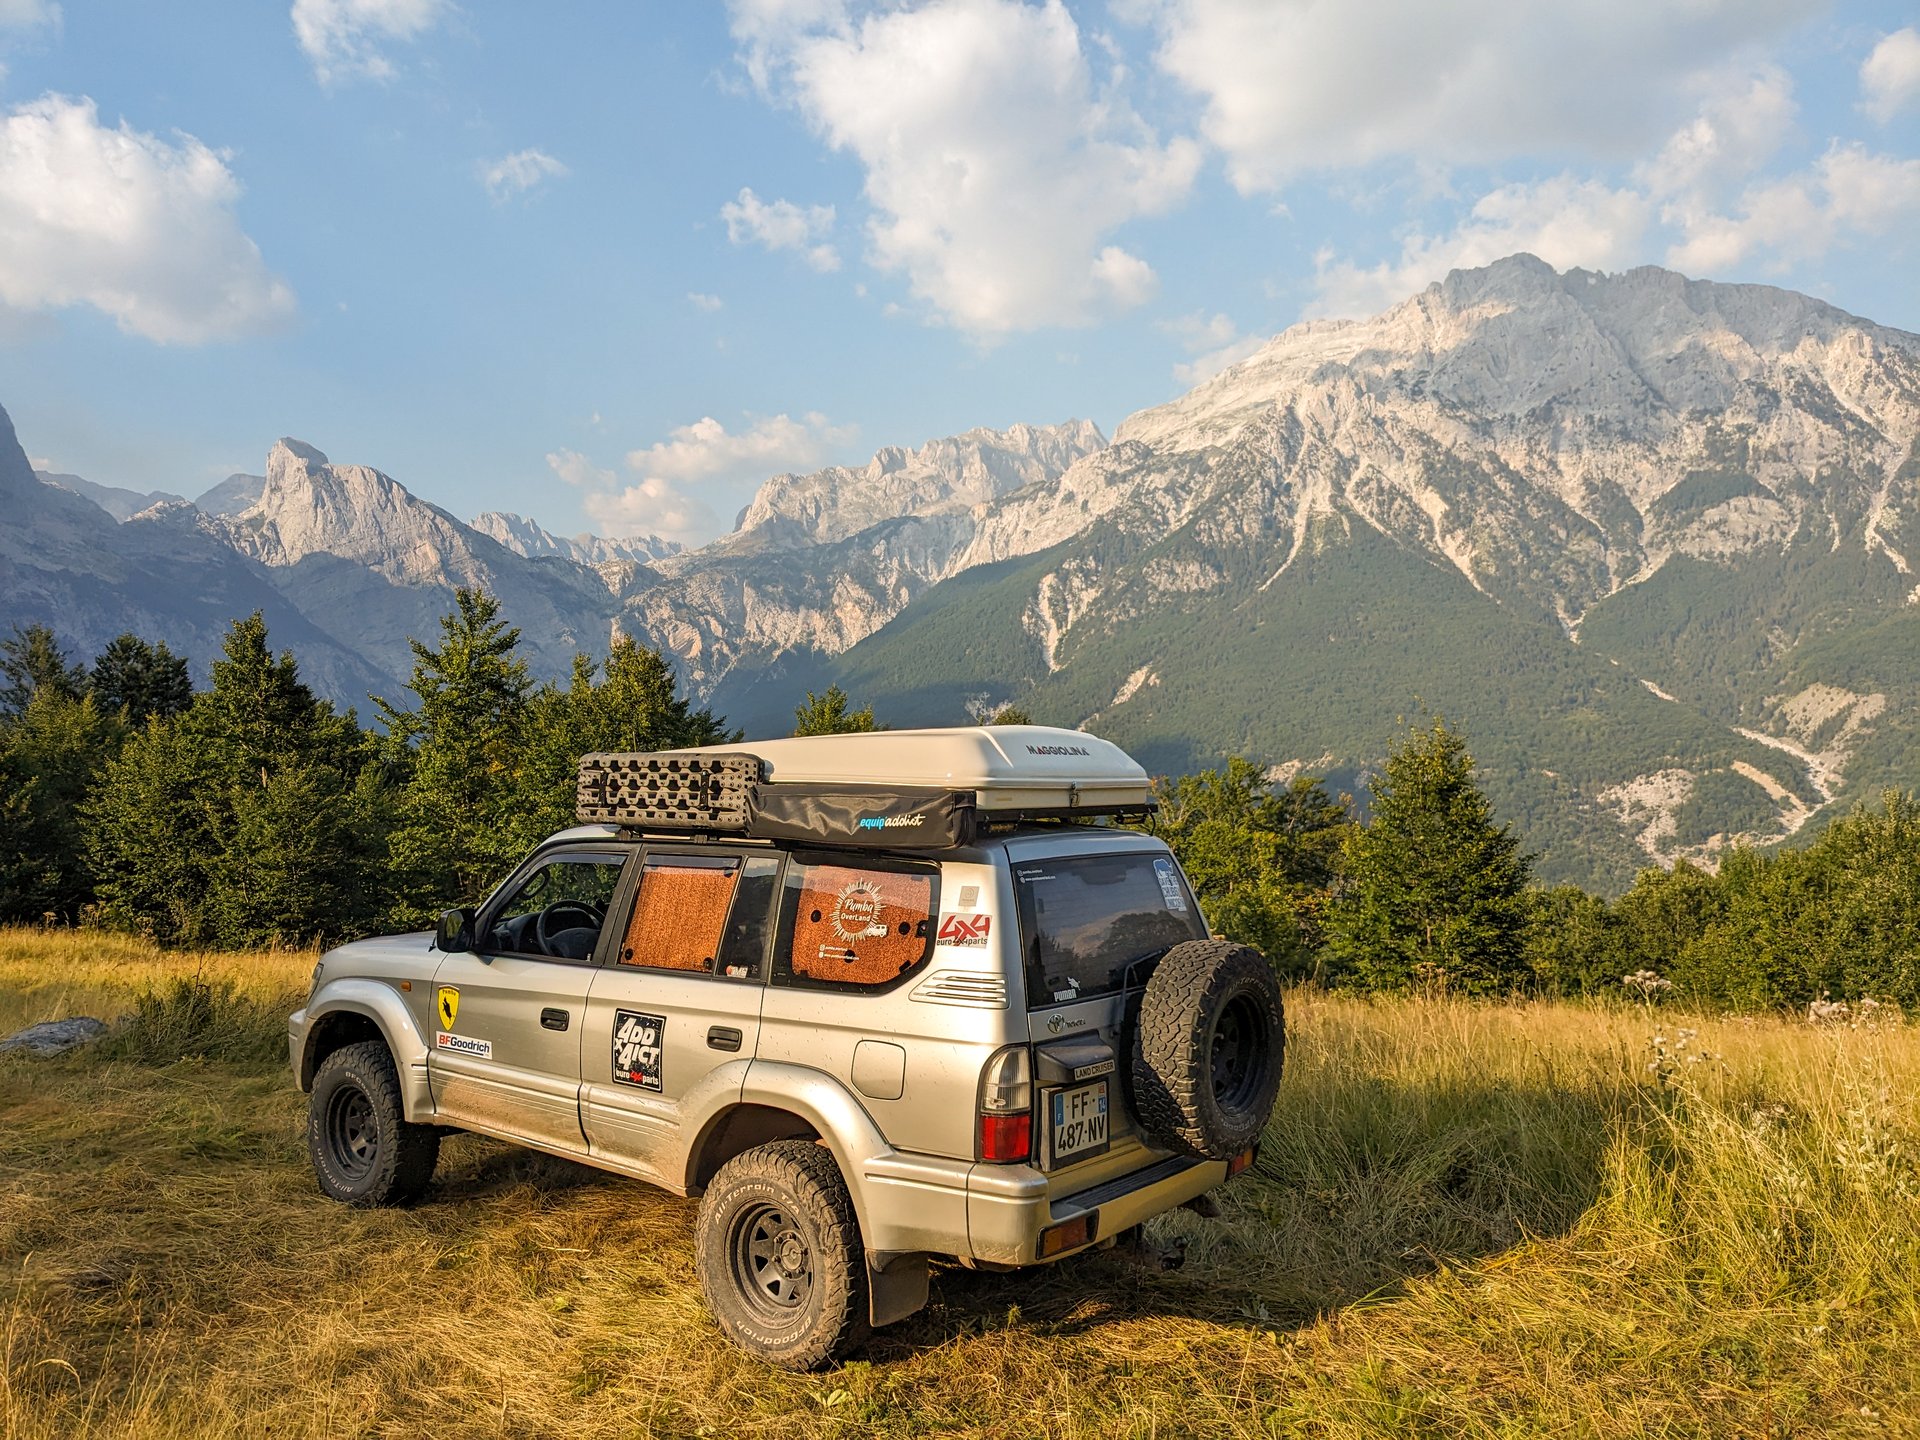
{"x":1086,"y":918}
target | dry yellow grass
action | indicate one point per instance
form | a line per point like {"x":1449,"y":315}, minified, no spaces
{"x":1485,"y":1221}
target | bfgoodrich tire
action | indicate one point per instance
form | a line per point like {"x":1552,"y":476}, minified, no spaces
{"x":779,"y":1256}
{"x":364,"y":1152}
{"x":1207,"y":1050}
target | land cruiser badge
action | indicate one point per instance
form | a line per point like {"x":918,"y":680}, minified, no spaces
{"x":636,"y":1048}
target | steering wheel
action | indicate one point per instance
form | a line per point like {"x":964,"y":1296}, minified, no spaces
{"x":547,"y":925}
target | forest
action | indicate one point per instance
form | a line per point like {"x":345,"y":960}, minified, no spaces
{"x":251,"y":813}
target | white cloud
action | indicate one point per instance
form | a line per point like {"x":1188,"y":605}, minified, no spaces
{"x":518,"y":173}
{"x":684,"y":483}
{"x":782,"y":225}
{"x":1292,"y":86}
{"x":1564,"y":220}
{"x":1212,"y":342}
{"x":700,"y":300}
{"x":344,"y":39}
{"x":996,"y":165}
{"x":1735,"y":132}
{"x":1890,"y":77}
{"x":28,"y":14}
{"x":137,"y":227}
{"x":1849,"y":192}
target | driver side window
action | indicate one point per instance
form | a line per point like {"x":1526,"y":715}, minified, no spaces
{"x":557,"y":909}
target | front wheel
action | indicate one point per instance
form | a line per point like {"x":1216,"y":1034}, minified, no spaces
{"x":779,"y":1256}
{"x":364,"y":1151}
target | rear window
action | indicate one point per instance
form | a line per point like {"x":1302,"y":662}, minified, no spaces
{"x":1085,"y":919}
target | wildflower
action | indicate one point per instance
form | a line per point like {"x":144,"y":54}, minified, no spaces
{"x":1646,"y":983}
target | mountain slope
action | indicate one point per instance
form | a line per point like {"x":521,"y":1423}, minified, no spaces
{"x":1645,"y":537}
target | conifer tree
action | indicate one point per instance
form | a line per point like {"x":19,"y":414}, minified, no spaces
{"x":141,"y":680}
{"x":31,"y":661}
{"x":50,"y":756}
{"x":462,"y":749}
{"x":1434,"y":891}
{"x":832,"y":714}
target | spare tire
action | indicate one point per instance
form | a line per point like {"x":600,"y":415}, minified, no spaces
{"x":1207,"y":1049}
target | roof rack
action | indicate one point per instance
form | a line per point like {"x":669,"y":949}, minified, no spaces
{"x":896,"y":789}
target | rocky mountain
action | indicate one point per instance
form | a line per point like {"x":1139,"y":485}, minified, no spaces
{"x":1649,"y":539}
{"x":526,"y":538}
{"x":120,"y":503}
{"x":376,"y":564}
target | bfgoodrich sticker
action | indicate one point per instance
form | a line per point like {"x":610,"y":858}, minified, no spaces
{"x":463,"y":1045}
{"x":637,"y":1048}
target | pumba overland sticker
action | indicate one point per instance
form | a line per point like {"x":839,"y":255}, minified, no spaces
{"x":637,"y":1053}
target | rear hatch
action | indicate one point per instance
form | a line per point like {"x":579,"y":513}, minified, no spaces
{"x":1093,"y":918}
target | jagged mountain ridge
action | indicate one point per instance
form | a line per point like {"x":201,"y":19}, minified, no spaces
{"x":1591,"y":456}
{"x":533,"y":541}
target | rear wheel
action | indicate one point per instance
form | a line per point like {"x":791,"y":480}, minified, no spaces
{"x":364,"y":1151}
{"x":778,"y":1252}
{"x":1207,"y":1049}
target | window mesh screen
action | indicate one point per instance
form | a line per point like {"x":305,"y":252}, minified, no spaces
{"x":855,"y":926}
{"x":678,"y":915}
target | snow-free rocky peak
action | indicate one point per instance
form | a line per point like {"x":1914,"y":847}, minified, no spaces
{"x":943,"y":476}
{"x":533,"y":540}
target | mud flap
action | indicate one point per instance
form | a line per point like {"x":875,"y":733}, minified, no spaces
{"x":898,"y":1290}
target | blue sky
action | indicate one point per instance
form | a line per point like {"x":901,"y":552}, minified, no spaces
{"x":610,"y":265}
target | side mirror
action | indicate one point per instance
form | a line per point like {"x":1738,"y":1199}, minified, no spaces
{"x":454,"y":934}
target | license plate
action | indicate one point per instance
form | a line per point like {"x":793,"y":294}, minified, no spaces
{"x":1077,"y":1125}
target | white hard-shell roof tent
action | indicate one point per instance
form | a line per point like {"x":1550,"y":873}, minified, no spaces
{"x":1008,"y":767}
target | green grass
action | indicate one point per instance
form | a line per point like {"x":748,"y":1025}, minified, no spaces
{"x":1466,"y":1221}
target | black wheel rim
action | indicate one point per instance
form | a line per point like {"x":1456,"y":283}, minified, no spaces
{"x":1235,"y":1055}
{"x":772,"y":1262}
{"x":353,"y":1135}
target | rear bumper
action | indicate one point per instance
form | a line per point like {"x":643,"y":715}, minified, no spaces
{"x":1008,"y":1206}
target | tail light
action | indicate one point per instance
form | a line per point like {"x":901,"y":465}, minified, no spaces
{"x":1005,"y":1133}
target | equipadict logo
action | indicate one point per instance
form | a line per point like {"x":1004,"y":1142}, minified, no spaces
{"x":892,"y":822}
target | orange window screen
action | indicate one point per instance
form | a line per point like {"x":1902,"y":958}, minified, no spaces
{"x":678,"y":915}
{"x":860,"y":927}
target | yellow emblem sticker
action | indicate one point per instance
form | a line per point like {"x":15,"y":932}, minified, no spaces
{"x":449,"y":1000}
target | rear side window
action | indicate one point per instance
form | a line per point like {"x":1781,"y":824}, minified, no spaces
{"x":1085,"y":919}
{"x":855,"y":924}
{"x":680,"y":912}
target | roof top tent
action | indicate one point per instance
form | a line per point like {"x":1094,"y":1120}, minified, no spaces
{"x":894,"y":789}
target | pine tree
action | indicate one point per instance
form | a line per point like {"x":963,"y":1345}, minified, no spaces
{"x":245,"y":821}
{"x":462,"y":748}
{"x":31,"y":661}
{"x":141,"y":680}
{"x":1434,"y":893}
{"x":832,"y":714}
{"x":1261,"y":859}
{"x":50,"y":756}
{"x":1009,"y":714}
{"x":633,"y":707}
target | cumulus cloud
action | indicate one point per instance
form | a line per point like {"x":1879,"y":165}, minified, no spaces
{"x":996,"y":164}
{"x":1212,"y":342}
{"x":1736,"y":131}
{"x":1890,"y":78}
{"x":682,"y":484}
{"x":518,"y":173}
{"x":1290,"y":86}
{"x":140,"y":228}
{"x":700,"y":300}
{"x":1849,"y":192}
{"x":346,"y":39}
{"x":782,"y":225}
{"x":1564,"y":220}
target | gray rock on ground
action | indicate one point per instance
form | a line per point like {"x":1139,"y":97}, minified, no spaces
{"x":55,"y":1037}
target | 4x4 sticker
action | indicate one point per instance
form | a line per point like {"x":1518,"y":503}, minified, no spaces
{"x":637,"y":1041}
{"x":970,"y":931}
{"x":448,"y":1003}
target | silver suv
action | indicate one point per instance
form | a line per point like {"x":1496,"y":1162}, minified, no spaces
{"x":877,"y":1000}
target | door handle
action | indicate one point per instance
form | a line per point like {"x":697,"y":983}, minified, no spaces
{"x":553,"y":1019}
{"x":723,"y":1037}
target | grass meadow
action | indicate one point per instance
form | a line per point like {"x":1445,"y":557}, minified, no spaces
{"x":1467,"y":1220}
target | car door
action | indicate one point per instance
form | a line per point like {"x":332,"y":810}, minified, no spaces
{"x":674,"y":1015}
{"x":506,"y":1053}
